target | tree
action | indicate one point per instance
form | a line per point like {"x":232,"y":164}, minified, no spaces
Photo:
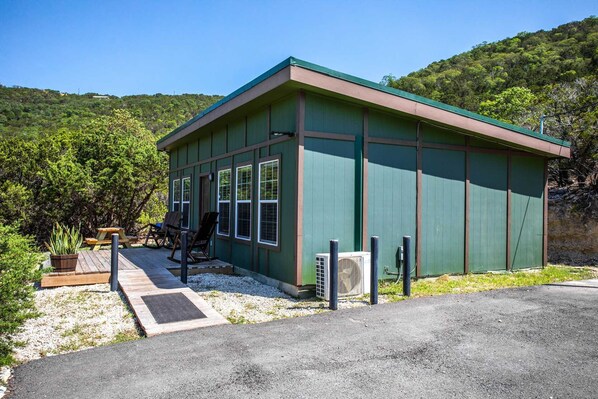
{"x":514,"y":105}
{"x":103,"y":175}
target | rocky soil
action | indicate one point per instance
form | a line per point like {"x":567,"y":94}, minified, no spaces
{"x":572,"y":227}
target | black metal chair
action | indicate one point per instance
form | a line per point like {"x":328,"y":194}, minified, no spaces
{"x":163,"y":233}
{"x":200,"y":240}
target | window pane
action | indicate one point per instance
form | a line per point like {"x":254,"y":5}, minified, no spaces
{"x":269,"y":180}
{"x":268,"y":222}
{"x":186,"y":189}
{"x":244,"y":183}
{"x":176,"y":206}
{"x":224,"y":218}
{"x":176,"y":190}
{"x":224,"y":185}
{"x":244,"y":220}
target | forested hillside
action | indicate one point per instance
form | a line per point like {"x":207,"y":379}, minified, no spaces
{"x":85,"y":160}
{"x":27,"y":112}
{"x":519,"y":79}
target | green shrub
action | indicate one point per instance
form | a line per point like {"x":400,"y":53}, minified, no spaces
{"x":19,"y":269}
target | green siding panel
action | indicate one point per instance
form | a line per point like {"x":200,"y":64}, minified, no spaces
{"x":243,"y":157}
{"x":205,"y":167}
{"x":328,"y":200}
{"x":257,"y":127}
{"x":219,"y":142}
{"x":487,"y":212}
{"x":263,"y":266}
{"x":173,"y":160}
{"x":381,"y":124}
{"x":182,"y":155}
{"x":192,"y":152}
{"x":205,"y":147}
{"x":326,"y":115}
{"x":283,"y":116}
{"x":443,"y":212}
{"x":391,"y":201}
{"x":236,"y":135}
{"x":433,"y":134}
{"x":241,"y":255}
{"x":527,"y":204}
{"x":281,"y":263}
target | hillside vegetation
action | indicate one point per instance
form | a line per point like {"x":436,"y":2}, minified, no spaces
{"x":85,"y":160}
{"x":29,"y":112}
{"x":519,"y":79}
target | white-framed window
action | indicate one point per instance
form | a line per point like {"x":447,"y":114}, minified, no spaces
{"x":268,"y":203}
{"x":185,"y":200}
{"x":243,"y":203}
{"x":176,"y":195}
{"x":224,"y":184}
{"x":181,"y":199}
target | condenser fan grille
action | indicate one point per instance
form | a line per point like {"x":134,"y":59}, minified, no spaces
{"x":349,"y":276}
{"x":353,"y":275}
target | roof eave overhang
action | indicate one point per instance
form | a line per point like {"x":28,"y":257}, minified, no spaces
{"x":308,"y":78}
{"x":428,"y":113}
{"x":278,"y":79}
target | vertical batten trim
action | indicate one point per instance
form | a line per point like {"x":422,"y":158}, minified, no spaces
{"x":509,"y":206}
{"x":365,"y":176}
{"x":467,"y":167}
{"x":300,"y":127}
{"x":418,"y":211}
{"x":545,"y":217}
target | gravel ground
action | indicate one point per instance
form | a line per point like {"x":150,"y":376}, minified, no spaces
{"x":242,"y":299}
{"x":72,"y":319}
{"x":75,"y":318}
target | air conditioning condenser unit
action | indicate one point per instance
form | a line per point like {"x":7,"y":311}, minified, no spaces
{"x":353,"y":274}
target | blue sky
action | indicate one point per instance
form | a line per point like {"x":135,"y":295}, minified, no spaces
{"x":213,"y":47}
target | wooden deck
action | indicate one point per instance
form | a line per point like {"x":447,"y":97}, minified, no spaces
{"x":93,"y":267}
{"x":145,"y":272}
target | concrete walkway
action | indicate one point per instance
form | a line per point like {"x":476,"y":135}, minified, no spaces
{"x":515,"y":343}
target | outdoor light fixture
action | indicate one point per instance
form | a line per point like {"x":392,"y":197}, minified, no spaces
{"x":211,"y":176}
{"x":278,"y":134}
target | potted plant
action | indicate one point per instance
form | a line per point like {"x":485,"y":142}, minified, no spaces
{"x":64,"y":247}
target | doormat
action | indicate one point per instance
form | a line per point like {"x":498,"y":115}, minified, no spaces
{"x":170,"y":308}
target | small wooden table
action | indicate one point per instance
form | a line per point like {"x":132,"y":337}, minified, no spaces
{"x":102,"y":240}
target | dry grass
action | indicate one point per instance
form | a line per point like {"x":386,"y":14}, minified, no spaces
{"x":488,"y":281}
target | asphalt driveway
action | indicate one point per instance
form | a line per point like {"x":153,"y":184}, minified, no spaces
{"x":525,"y":343}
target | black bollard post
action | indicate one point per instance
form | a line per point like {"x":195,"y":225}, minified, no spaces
{"x":407,"y":265}
{"x":114,"y":263}
{"x":333,"y":276}
{"x":184,"y":257}
{"x":374,"y":271}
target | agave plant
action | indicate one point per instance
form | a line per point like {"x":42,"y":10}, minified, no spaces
{"x":64,"y":241}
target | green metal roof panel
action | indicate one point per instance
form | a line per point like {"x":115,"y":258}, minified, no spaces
{"x":292,"y":61}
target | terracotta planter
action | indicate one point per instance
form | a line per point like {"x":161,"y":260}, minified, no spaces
{"x":64,"y":263}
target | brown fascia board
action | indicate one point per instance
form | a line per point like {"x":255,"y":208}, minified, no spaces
{"x":426,"y":112}
{"x":276,"y":80}
{"x":321,"y":82}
